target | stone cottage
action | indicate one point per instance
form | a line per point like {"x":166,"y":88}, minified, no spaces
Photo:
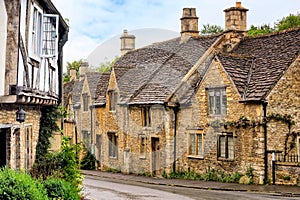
{"x":32,"y":36}
{"x":226,"y":102}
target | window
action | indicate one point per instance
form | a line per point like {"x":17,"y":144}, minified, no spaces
{"x":36,"y":31}
{"x":146,"y":117}
{"x":44,"y":34}
{"x":226,"y":146}
{"x":112,"y":100}
{"x":142,"y":145}
{"x":50,"y":38}
{"x":217,"y":101}
{"x":113,"y":145}
{"x":196,"y":144}
{"x":85,"y":102}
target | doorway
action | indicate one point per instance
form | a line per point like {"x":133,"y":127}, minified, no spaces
{"x":2,"y":147}
{"x":155,"y":155}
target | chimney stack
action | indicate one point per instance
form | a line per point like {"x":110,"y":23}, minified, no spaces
{"x":236,"y":17}
{"x":73,"y":74}
{"x":127,"y":42}
{"x":83,"y":69}
{"x":189,"y":22}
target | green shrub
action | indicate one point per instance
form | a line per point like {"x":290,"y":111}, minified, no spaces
{"x":61,"y":189}
{"x":88,"y":161}
{"x":19,"y":185}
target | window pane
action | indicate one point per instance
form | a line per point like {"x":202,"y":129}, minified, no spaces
{"x":224,"y":101}
{"x":230,"y":147}
{"x":200,"y":153}
{"x":222,"y":147}
{"x":218,"y":102}
{"x":211,"y":105}
{"x":193,"y":144}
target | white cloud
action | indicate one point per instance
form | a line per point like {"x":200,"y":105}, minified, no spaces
{"x":94,"y":21}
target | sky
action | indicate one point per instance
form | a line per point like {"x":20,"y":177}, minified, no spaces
{"x":93,"y":22}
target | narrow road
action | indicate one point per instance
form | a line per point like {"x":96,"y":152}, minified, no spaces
{"x":98,"y":188}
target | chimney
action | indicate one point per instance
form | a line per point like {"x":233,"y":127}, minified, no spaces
{"x":127,"y":42}
{"x":73,"y":74}
{"x":83,"y":69}
{"x":236,"y":17}
{"x":189,"y":22}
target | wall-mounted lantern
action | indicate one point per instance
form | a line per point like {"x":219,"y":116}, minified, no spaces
{"x":20,"y":115}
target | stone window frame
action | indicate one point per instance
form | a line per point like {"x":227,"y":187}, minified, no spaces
{"x":212,"y":106}
{"x":142,"y":146}
{"x":146,"y":116}
{"x":198,"y":134}
{"x":112,"y":145}
{"x":227,"y":154}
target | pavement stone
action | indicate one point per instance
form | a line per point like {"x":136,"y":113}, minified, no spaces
{"x":293,"y":191}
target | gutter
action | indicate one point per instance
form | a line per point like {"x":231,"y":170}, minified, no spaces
{"x":265,"y":104}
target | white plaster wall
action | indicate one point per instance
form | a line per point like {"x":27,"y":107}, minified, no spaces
{"x":3,"y":35}
{"x":21,"y":72}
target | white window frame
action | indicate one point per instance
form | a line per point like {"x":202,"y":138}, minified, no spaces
{"x":198,"y":134}
{"x":44,"y":35}
{"x":36,"y":43}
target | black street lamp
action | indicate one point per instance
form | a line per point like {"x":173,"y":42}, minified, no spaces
{"x":20,"y":115}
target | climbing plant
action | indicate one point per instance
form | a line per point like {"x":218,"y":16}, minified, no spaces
{"x":48,"y":125}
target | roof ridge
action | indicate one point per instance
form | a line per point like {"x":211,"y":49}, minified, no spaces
{"x":274,"y":33}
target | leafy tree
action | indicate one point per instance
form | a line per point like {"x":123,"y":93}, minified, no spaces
{"x":290,"y":21}
{"x":259,"y":30}
{"x":105,"y":66}
{"x":73,"y":65}
{"x":211,"y":29}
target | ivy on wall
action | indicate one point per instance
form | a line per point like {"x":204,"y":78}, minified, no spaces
{"x":48,"y":125}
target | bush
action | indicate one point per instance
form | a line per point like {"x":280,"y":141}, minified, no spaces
{"x":19,"y":185}
{"x":88,"y":161}
{"x":61,"y":189}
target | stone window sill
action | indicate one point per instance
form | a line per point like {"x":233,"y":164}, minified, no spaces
{"x":195,"y":157}
{"x":225,"y":159}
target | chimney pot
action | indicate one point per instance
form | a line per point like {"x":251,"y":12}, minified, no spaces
{"x":238,"y":4}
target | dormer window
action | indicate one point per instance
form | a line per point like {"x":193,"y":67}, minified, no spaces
{"x":112,"y":96}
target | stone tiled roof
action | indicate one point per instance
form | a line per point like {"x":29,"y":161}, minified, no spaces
{"x":264,"y":59}
{"x":68,"y":88}
{"x":148,"y":75}
{"x":77,"y":90}
{"x":93,"y":78}
{"x":101,"y":88}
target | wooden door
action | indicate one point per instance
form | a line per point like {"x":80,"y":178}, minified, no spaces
{"x":2,"y":147}
{"x":155,"y":156}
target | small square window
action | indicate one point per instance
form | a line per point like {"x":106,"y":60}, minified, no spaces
{"x":142,"y":142}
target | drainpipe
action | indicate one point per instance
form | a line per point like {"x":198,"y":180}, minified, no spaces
{"x":92,"y":130}
{"x":265,"y":104}
{"x":175,"y":109}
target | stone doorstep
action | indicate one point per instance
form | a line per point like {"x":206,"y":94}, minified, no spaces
{"x":276,"y":190}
